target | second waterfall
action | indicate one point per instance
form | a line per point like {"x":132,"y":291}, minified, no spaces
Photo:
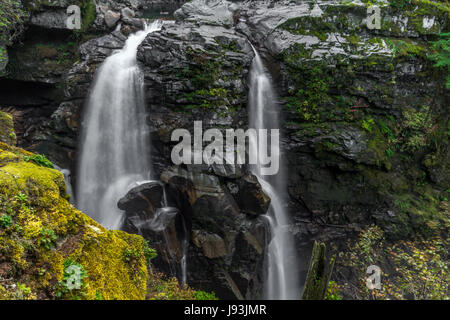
{"x":114,"y":144}
{"x":281,"y":270}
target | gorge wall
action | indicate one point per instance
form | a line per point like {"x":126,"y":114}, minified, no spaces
{"x":364,"y":134}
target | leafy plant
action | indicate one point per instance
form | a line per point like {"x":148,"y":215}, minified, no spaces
{"x":66,"y":288}
{"x":203,"y":295}
{"x":402,"y":205}
{"x":160,"y":287}
{"x":11,"y":17}
{"x":442,"y":57}
{"x":40,"y":160}
{"x":311,"y":93}
{"x":98,"y":296}
{"x":367,"y":124}
{"x":130,"y":255}
{"x":149,"y":252}
{"x":22,"y":291}
{"x":21,"y":197}
{"x":389,"y":152}
{"x":386,"y":130}
{"x":332,"y":292}
{"x":399,"y":4}
{"x":5,"y":221}
{"x":416,"y":126}
{"x":422,"y":270}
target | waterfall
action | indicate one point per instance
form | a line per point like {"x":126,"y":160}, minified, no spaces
{"x":281,"y":262}
{"x":114,"y":143}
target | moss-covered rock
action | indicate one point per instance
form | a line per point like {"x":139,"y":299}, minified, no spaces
{"x":43,"y":239}
{"x":7,"y":134}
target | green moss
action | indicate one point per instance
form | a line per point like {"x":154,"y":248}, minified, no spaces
{"x":296,"y":55}
{"x":88,"y":14}
{"x":7,"y":134}
{"x":42,"y":235}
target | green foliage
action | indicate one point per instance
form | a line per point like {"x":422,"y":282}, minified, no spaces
{"x":402,"y":205}
{"x":203,"y":295}
{"x":422,"y":270}
{"x":149,"y":252}
{"x":405,"y":48}
{"x":21,"y":197}
{"x":23,"y":292}
{"x":63,"y":288}
{"x":131,"y":254}
{"x":386,"y":130}
{"x":206,"y":98}
{"x":48,"y":238}
{"x":98,"y":296}
{"x":415,"y":128}
{"x":88,"y":14}
{"x":399,"y":4}
{"x":442,"y":57}
{"x":389,"y":152}
{"x":160,"y":287}
{"x":203,"y":71}
{"x":312,"y":93}
{"x":367,"y":124}
{"x":40,"y":160}
{"x":332,"y":292}
{"x":11,"y":18}
{"x":408,"y":268}
{"x":5,"y":221}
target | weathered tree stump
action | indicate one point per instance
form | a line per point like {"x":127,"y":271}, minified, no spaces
{"x":319,"y":273}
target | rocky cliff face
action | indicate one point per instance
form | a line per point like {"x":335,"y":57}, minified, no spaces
{"x":364,"y":138}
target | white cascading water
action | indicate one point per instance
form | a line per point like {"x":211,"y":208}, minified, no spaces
{"x":69,"y":191}
{"x":114,"y":145}
{"x":281,"y":281}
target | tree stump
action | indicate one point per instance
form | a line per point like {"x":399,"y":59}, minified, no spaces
{"x":319,"y":273}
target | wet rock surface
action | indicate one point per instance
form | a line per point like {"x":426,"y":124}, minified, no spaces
{"x":346,"y":94}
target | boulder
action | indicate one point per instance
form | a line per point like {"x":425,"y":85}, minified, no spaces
{"x":111,"y":18}
{"x":7,"y":134}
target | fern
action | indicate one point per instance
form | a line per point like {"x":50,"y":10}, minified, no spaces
{"x":442,"y":57}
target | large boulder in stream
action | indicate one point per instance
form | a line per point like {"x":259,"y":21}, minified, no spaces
{"x":227,"y":243}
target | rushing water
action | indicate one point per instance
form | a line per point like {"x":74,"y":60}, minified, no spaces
{"x":114,"y":144}
{"x":281,"y":281}
{"x":69,"y":191}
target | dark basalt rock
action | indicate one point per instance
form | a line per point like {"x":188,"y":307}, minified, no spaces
{"x":145,"y":196}
{"x":250,"y":197}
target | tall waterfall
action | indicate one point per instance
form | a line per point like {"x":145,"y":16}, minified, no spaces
{"x":281,"y":281}
{"x":114,"y":144}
